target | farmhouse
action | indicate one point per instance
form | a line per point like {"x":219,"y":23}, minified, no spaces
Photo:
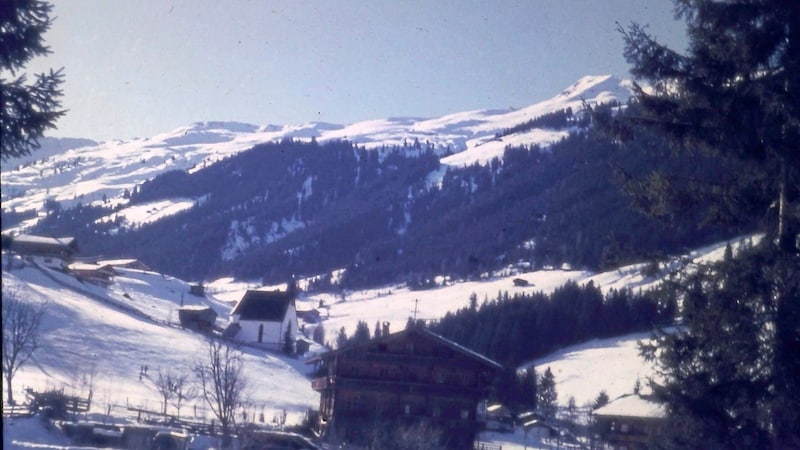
{"x":412,"y":376}
{"x":44,"y":250}
{"x":630,"y":421}
{"x":95,"y":273}
{"x":264,"y":318}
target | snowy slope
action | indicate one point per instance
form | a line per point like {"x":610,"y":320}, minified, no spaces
{"x":113,"y":332}
{"x":103,"y":172}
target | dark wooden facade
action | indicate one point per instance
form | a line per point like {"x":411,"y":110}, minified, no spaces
{"x":199,"y":318}
{"x":630,"y":422}
{"x":414,"y":374}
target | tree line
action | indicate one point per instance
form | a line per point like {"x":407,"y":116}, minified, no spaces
{"x":514,"y":328}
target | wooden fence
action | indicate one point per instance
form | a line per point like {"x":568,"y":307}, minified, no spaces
{"x":72,"y":404}
{"x":477,"y":445}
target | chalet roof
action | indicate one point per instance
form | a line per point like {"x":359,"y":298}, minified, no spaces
{"x":632,"y":406}
{"x":428,"y":334}
{"x":119,"y":262}
{"x":88,"y":267}
{"x":43,"y":240}
{"x":29,"y":238}
{"x":263,"y":306}
{"x":195,"y":308}
{"x":457,"y":347}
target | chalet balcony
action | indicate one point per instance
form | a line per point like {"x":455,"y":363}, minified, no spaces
{"x":405,"y":386}
{"x":404,"y":358}
{"x":321,"y":383}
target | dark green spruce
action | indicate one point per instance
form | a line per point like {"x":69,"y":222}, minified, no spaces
{"x":729,"y":374}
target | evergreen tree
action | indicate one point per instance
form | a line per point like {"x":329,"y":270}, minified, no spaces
{"x":506,"y":387}
{"x":318,"y":335}
{"x":721,"y":387}
{"x":341,"y":339}
{"x":27,"y":110}
{"x":730,"y":374}
{"x":362,"y":333}
{"x":546,"y":395}
{"x":733,"y":96}
{"x":288,"y":345}
{"x":527,"y":388}
{"x":601,"y":400}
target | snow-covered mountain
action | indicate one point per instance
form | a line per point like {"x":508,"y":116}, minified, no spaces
{"x":73,"y":171}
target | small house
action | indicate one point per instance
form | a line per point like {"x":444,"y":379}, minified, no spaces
{"x":498,"y":418}
{"x":630,"y":421}
{"x":197,"y":289}
{"x":310,"y":316}
{"x":94,"y":273}
{"x":196,"y":317}
{"x":520,"y":282}
{"x":265,"y":318}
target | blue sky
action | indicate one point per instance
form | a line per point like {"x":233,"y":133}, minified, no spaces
{"x":136,"y":68}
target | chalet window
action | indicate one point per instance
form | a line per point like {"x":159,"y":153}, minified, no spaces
{"x":625,"y":428}
{"x":407,"y":409}
{"x":437,"y":411}
{"x":464,"y":414}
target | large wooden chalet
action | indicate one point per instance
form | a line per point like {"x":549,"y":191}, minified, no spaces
{"x":412,"y":375}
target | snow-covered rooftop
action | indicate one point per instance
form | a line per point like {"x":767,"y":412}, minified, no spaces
{"x":632,"y":406}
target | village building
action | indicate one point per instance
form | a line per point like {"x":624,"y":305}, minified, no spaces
{"x":308,"y":314}
{"x":414,"y":375}
{"x":630,"y":422}
{"x":43,"y":250}
{"x":102,"y":274}
{"x":125,"y":263}
{"x":197,"y":318}
{"x":265,"y":319}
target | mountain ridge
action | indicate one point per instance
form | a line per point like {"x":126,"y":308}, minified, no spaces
{"x":221,"y":198}
{"x":61,"y":175}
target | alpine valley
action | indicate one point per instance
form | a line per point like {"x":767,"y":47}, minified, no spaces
{"x":397,"y":200}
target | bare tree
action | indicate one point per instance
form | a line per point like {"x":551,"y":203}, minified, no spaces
{"x":171,"y":384}
{"x":21,"y":322}
{"x":185,"y":390}
{"x":222,"y":382}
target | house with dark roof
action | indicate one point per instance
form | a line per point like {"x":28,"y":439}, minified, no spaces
{"x":412,"y":376}
{"x":43,"y":250}
{"x":263,"y":318}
